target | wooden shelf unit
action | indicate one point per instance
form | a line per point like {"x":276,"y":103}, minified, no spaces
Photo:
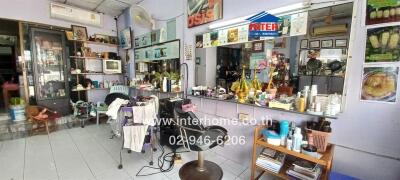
{"x":110,"y":74}
{"x":86,"y":58}
{"x":75,"y":90}
{"x":83,"y":59}
{"x":97,"y":43}
{"x":325,"y":161}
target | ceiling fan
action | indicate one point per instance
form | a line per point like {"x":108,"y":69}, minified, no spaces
{"x":141,"y":17}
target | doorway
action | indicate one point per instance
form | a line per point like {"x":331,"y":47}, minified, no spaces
{"x":10,"y":70}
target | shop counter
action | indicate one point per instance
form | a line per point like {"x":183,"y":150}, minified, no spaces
{"x":233,"y":101}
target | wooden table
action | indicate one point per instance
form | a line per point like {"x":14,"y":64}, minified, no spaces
{"x":325,"y":161}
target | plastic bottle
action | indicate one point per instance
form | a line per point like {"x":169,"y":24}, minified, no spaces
{"x":313,"y":94}
{"x":164,"y":84}
{"x":306,"y":92}
{"x":302,"y":104}
{"x":297,"y":140}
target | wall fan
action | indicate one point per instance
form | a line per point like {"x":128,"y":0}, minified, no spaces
{"x":141,"y":18}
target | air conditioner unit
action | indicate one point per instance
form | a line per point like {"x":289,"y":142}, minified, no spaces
{"x":330,"y":29}
{"x":72,"y":14}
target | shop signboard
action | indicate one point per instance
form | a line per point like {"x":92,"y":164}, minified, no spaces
{"x":263,"y":25}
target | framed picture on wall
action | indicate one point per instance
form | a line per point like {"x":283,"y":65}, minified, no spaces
{"x":327,"y":43}
{"x":69,"y":35}
{"x":125,"y":38}
{"x":341,"y":43}
{"x":203,"y":12}
{"x":379,"y":84}
{"x":80,"y":33}
{"x":304,"y":44}
{"x":382,"y":45}
{"x":379,"y":11}
{"x":258,"y":46}
{"x":315,"y":44}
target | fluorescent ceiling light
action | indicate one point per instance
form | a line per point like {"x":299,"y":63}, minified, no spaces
{"x":288,"y":8}
{"x":229,"y":22}
{"x":276,"y":12}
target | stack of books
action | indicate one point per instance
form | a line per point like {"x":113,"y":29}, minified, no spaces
{"x":304,"y":170}
{"x":271,"y":160}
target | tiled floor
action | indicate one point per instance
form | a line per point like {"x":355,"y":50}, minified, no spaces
{"x":89,"y":153}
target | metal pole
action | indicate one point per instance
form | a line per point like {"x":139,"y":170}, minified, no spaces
{"x":200,"y":160}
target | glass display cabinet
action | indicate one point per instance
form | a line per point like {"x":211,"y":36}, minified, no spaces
{"x":49,"y":65}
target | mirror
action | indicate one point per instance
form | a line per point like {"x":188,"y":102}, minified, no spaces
{"x":293,"y":62}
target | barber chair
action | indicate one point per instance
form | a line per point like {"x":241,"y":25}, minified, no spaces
{"x":191,"y":130}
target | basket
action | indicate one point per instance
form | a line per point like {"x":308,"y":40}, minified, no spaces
{"x":318,"y":139}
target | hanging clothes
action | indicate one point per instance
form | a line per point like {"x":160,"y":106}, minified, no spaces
{"x":114,"y":107}
{"x":145,"y":114}
{"x":134,"y":137}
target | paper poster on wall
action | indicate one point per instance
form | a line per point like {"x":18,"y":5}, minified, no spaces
{"x":155,"y":36}
{"x":255,"y":60}
{"x":233,"y":35}
{"x":168,"y":50}
{"x":188,"y":51}
{"x":223,"y":37}
{"x":382,"y":11}
{"x":173,"y":50}
{"x":243,"y":33}
{"x":214,"y":38}
{"x":284,"y":26}
{"x":379,"y":84}
{"x":298,"y":24}
{"x":163,"y":34}
{"x":206,"y":40}
{"x":202,"y":12}
{"x":125,"y":38}
{"x":137,"y":42}
{"x":145,"y":40}
{"x":199,"y":41}
{"x":383,"y":44}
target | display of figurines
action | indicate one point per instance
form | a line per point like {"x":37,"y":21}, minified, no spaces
{"x":92,"y":38}
{"x":255,"y":83}
{"x":242,"y":89}
{"x":271,"y":90}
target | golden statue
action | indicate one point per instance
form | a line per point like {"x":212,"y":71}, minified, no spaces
{"x":241,"y":87}
{"x":255,"y":83}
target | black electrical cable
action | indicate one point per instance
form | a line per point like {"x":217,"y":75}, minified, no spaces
{"x":161,"y":161}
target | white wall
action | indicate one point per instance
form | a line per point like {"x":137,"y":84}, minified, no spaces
{"x":38,"y":11}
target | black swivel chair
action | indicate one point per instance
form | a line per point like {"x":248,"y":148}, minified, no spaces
{"x":191,"y":130}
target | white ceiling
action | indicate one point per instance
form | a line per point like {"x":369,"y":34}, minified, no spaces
{"x":110,"y":7}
